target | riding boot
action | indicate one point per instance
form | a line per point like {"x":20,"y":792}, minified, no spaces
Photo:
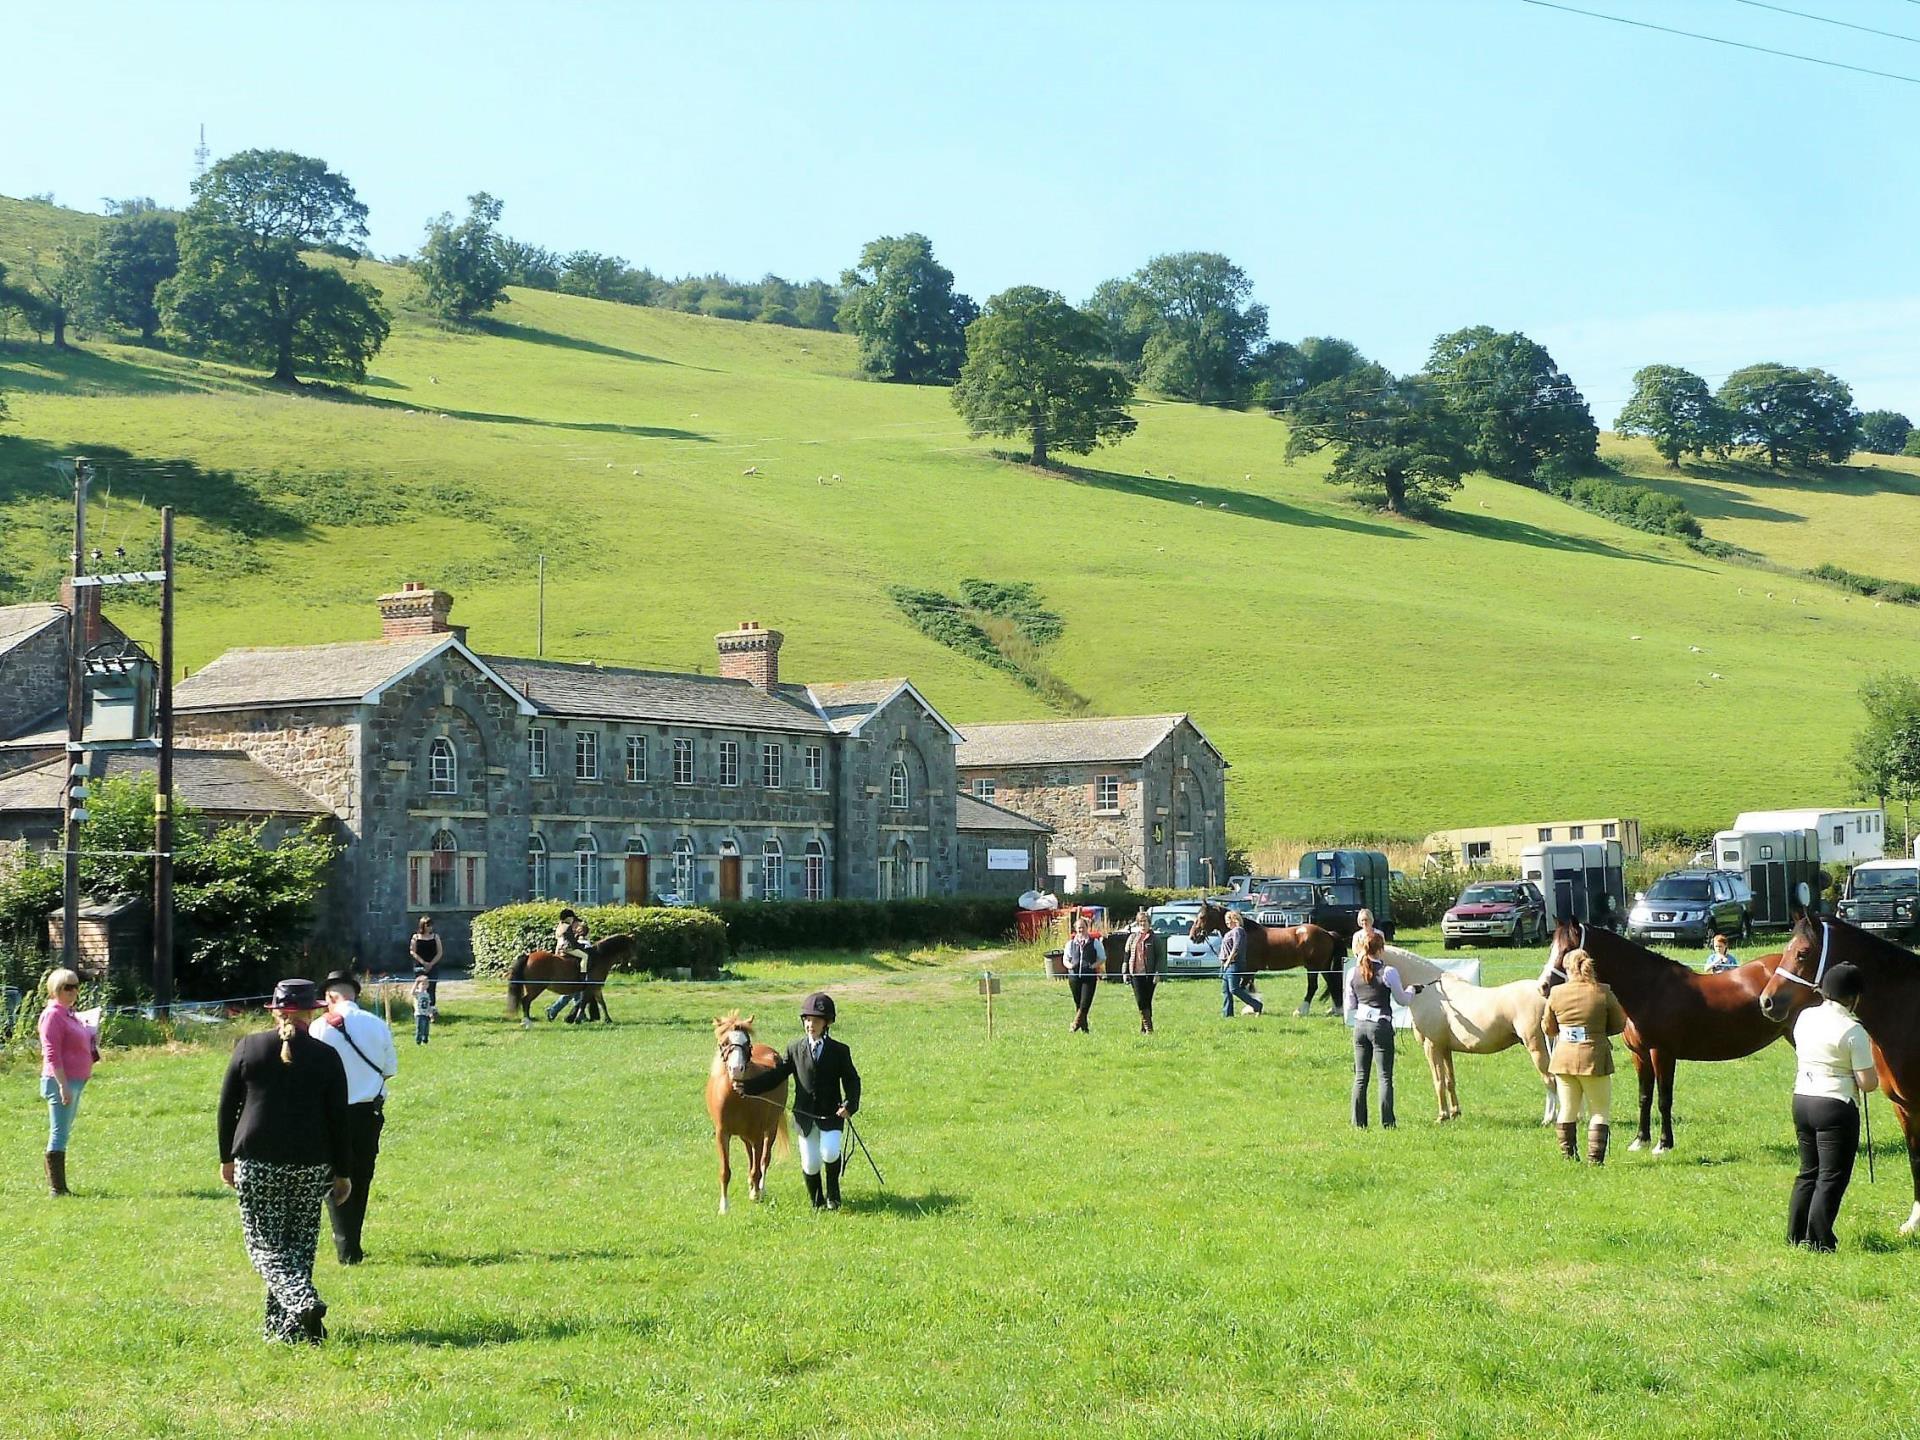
{"x":57,"y":1173}
{"x":1597,"y":1144}
{"x":1569,"y":1131}
{"x":813,"y":1190}
{"x":833,"y":1183}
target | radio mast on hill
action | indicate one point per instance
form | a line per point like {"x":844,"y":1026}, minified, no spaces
{"x":200,"y":155}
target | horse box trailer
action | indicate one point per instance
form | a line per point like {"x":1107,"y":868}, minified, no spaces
{"x":1368,"y":884}
{"x":1775,"y":863}
{"x":1581,"y":880}
{"x":1843,"y":836}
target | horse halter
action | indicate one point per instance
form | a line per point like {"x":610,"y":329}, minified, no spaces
{"x":1826,"y":942}
{"x":737,"y":1040}
{"x":1554,"y":967}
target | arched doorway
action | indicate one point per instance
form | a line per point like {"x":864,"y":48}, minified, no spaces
{"x":729,"y":870}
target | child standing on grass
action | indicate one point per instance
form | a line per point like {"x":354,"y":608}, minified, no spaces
{"x":826,"y":1093}
{"x":424,"y":1009}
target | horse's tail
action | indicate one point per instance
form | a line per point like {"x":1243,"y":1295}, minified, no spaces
{"x":783,"y":1138}
{"x":516,"y":977}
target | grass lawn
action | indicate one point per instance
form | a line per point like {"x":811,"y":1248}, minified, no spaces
{"x":1101,"y":1235}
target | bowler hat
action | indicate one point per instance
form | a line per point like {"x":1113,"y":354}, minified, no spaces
{"x":819,"y":1003}
{"x":295,"y":994}
{"x":342,"y":977}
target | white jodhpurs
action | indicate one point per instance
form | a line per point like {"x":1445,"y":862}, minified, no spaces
{"x":820,"y":1145}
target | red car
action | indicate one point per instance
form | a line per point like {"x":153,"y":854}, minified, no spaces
{"x":1509,"y":910}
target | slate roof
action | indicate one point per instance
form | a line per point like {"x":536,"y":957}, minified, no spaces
{"x":1059,"y":742}
{"x":848,"y":704}
{"x":601,"y":692}
{"x":301,"y":674}
{"x":18,"y":622}
{"x":220,"y":782}
{"x":973,"y":814}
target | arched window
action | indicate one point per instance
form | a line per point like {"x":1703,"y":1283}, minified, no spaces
{"x":773,"y":870}
{"x":440,"y":867}
{"x":586,"y":871}
{"x":443,"y":767}
{"x":897,"y":796}
{"x":636,"y":845}
{"x":683,"y":868}
{"x":536,"y":868}
{"x":815,"y":881}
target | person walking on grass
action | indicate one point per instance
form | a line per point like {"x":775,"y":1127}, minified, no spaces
{"x":425,"y":1009}
{"x":1082,"y":959}
{"x":1582,"y":1015}
{"x":1142,"y":968}
{"x":1233,"y":951}
{"x":826,"y":1094}
{"x":284,"y":1147}
{"x":68,"y":1050}
{"x":1835,"y":1065}
{"x":365,"y":1046}
{"x":1372,"y":987}
{"x":424,"y":949}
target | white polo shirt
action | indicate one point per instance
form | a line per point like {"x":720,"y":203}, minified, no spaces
{"x":365,"y":1081}
{"x":1831,"y":1045}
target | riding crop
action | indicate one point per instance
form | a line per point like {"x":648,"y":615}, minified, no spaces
{"x":1866,"y":1131}
{"x":851,"y":1130}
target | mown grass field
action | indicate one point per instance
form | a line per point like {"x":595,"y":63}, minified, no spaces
{"x":1104,"y":1235}
{"x":1515,"y":658}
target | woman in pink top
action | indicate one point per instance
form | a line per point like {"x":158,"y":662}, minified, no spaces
{"x":67,"y":1054}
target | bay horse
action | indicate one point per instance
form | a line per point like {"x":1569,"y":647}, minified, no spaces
{"x":1889,"y":1009}
{"x":1277,"y":947}
{"x":1455,"y":1017}
{"x":759,"y":1120}
{"x":1674,"y":1012}
{"x":539,"y":970}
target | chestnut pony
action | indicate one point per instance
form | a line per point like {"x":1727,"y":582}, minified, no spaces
{"x":1889,"y":1009}
{"x":1674,"y":1012}
{"x":759,"y":1120}
{"x":539,"y":970}
{"x":1279,"y":947}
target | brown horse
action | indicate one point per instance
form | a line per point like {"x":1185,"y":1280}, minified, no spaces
{"x":1889,"y":1009}
{"x":1674,"y":1012}
{"x":539,"y":970}
{"x":759,"y":1120}
{"x":1278,"y":947}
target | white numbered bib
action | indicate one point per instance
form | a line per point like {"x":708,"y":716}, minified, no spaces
{"x":1369,"y":1014}
{"x":1576,"y":1033}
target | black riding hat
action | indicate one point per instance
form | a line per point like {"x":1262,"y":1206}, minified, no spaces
{"x":294,"y":994}
{"x":819,"y":1003}
{"x":342,"y":977}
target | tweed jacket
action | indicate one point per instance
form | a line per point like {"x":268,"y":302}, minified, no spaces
{"x":820,"y":1087}
{"x":1581,"y":1009}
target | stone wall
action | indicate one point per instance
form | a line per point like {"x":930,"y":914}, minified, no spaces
{"x":916,"y":844}
{"x":977,"y":879}
{"x":315,"y":747}
{"x":33,"y":680}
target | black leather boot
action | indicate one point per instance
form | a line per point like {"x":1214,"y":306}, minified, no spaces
{"x":833,"y":1183}
{"x":1569,"y":1134}
{"x":814,"y":1191}
{"x":57,"y":1173}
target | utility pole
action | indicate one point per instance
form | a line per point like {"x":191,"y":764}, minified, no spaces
{"x":540,"y":624}
{"x":76,"y":790}
{"x":163,"y":791}
{"x":200,"y":153}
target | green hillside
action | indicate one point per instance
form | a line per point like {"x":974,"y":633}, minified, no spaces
{"x":1359,"y":671}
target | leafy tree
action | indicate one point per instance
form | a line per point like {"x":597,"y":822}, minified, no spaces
{"x":776,"y":302}
{"x":1033,"y":368}
{"x":816,"y":306}
{"x":130,"y":207}
{"x":532,"y":266}
{"x":606,"y":277}
{"x":137,"y":251}
{"x":1885,"y":432}
{"x":1126,"y":317}
{"x":461,"y":264}
{"x":244,"y":288}
{"x":1203,"y":330}
{"x":1912,"y":447}
{"x":1799,"y":417}
{"x":1673,"y":408}
{"x":1519,"y":408}
{"x":1282,"y":372}
{"x":900,"y":302}
{"x":64,"y":282}
{"x":1397,"y":437}
{"x":1882,"y":745}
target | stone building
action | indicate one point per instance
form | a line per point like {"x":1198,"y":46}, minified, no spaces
{"x":1131,"y":800}
{"x":465,"y":780}
{"x":33,"y":673}
{"x":1001,"y":853}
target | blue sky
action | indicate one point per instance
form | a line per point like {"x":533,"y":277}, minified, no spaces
{"x":1383,"y":169}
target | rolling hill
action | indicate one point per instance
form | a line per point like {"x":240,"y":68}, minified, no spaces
{"x":1361,"y":672}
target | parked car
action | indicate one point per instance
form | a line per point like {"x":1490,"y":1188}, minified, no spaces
{"x":1331,"y":904}
{"x":1691,"y":905}
{"x":1170,"y":924}
{"x":1510,"y":910}
{"x":1883,"y":896}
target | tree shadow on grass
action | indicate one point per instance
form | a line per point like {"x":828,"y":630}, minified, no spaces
{"x":507,"y":330}
{"x":33,"y":469}
{"x":1238,"y":502}
{"x":321,"y":391}
{"x":1862,"y":477}
{"x":1713,"y":501}
{"x":454,"y":1260}
{"x":44,"y":370}
{"x":479,"y":1331}
{"x":1518,"y":532}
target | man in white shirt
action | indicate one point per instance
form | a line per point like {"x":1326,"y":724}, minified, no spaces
{"x":366,"y":1050}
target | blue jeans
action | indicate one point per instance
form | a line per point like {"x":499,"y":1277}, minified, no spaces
{"x":60,"y":1117}
{"x":1233,"y":988}
{"x":422,"y":1024}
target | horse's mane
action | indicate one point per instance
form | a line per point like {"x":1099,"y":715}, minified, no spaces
{"x":1640,"y":952}
{"x":732,"y":1020}
{"x":1883,"y":948}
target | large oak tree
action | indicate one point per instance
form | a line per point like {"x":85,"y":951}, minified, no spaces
{"x":1396,"y":438}
{"x":1033,"y":368}
{"x":1793,"y":416}
{"x":1519,"y":408}
{"x":900,"y":302}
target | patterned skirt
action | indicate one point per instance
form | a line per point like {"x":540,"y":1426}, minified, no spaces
{"x":280,"y":1217}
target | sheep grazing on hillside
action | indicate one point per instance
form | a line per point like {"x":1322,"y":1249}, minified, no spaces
{"x":751,"y":470}
{"x":835,"y":479}
{"x":1695,"y":650}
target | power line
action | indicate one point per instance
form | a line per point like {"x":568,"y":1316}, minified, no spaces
{"x":1722,"y":40}
{"x":1829,"y":20}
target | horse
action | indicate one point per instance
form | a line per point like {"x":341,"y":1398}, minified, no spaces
{"x":1674,"y":1012}
{"x":759,"y":1120}
{"x":539,"y":970}
{"x":1454,"y":1017}
{"x":1276,"y":947}
{"x":1889,"y":1009}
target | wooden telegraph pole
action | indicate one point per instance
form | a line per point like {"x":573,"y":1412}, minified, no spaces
{"x":163,"y":791}
{"x":76,"y":786}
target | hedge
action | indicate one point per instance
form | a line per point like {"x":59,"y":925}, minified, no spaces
{"x":663,"y":938}
{"x":858,"y":924}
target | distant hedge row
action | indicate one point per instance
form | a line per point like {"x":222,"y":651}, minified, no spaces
{"x":1631,"y":505}
{"x":1901,"y":592}
{"x":664,"y":939}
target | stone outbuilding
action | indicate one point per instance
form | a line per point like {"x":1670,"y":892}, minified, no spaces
{"x":1138,"y":800}
{"x":1001,"y":853}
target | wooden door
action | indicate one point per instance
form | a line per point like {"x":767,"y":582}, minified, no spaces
{"x":729,"y":877}
{"x":637,"y":892}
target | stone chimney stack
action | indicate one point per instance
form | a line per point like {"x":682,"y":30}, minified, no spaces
{"x":89,"y":609}
{"x":750,"y":654}
{"x":413,"y":609}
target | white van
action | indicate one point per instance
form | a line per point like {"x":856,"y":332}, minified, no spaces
{"x":1846,"y":836}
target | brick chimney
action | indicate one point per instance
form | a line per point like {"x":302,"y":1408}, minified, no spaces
{"x":750,"y":654}
{"x":413,"y":609}
{"x":89,"y":609}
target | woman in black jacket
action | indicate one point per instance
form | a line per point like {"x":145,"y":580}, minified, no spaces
{"x":826,"y":1092}
{"x":283,"y":1148}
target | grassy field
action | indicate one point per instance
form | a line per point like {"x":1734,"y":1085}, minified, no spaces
{"x":1113,"y":1235}
{"x":1515,"y":658}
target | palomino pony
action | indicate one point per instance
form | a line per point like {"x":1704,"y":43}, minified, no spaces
{"x":759,"y":1120}
{"x":1674,"y":1012}
{"x":1889,"y":1009}
{"x":1276,"y":947}
{"x":1454,"y":1017}
{"x":539,"y":970}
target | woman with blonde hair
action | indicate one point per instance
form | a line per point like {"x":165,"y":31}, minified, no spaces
{"x":67,"y":1053}
{"x":1142,"y":963}
{"x":1372,"y":987}
{"x":1581,"y":1016}
{"x":284,"y":1147}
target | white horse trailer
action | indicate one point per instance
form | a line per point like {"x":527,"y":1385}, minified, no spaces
{"x":1774,"y":863}
{"x":1845,"y":837}
{"x":1582,"y":880}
